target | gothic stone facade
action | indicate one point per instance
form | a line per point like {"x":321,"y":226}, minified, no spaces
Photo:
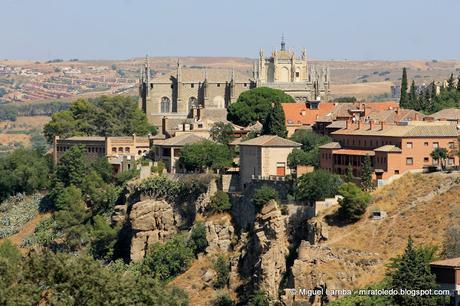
{"x":283,"y":70}
{"x":177,"y":96}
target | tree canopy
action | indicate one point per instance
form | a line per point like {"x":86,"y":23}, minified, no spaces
{"x":205,"y":155}
{"x":104,"y":116}
{"x":255,"y":104}
{"x":354,"y":202}
{"x":317,"y":185}
{"x":222,"y":132}
{"x":24,"y":171}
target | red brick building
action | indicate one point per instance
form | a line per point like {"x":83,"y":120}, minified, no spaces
{"x":393,"y":148}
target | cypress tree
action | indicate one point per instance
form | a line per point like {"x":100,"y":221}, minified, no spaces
{"x":412,"y":97}
{"x":403,"y":100}
{"x":349,"y":174}
{"x":275,"y":122}
{"x":450,"y":82}
{"x":366,"y":175}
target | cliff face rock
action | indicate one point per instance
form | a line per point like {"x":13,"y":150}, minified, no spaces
{"x":120,"y":213}
{"x":220,"y":235}
{"x":320,"y":267}
{"x":317,"y":231}
{"x":151,"y":221}
{"x":203,"y":201}
{"x":267,"y":249}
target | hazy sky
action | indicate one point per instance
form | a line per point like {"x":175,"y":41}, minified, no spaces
{"x":329,"y":29}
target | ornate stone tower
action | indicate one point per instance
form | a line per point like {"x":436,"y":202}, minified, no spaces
{"x":284,"y":71}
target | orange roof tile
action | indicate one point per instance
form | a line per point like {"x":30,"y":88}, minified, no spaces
{"x":299,"y":113}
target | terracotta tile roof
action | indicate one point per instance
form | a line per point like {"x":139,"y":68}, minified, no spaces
{"x":411,"y":129}
{"x":451,"y":262}
{"x":85,"y":138}
{"x":331,"y":145}
{"x":180,"y":140}
{"x":300,"y":113}
{"x":270,"y":141}
{"x":388,"y":148}
{"x":447,"y":114}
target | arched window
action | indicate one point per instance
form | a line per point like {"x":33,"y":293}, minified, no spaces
{"x":165,"y":105}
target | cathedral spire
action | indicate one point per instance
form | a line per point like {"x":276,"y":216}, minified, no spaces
{"x":283,"y":44}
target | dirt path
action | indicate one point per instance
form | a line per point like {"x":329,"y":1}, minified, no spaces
{"x":26,"y":230}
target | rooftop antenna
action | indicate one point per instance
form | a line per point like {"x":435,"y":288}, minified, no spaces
{"x":283,"y":44}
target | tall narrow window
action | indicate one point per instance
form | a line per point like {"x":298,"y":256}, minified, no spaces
{"x":165,"y":105}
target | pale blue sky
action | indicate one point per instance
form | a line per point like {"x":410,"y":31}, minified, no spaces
{"x":329,"y":29}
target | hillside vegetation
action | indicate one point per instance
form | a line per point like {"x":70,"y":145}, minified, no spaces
{"x":422,"y":206}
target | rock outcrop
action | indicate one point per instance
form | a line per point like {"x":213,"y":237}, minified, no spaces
{"x":317,"y":231}
{"x":151,"y":221}
{"x":220,"y":235}
{"x":267,"y":249}
{"x":120,"y":213}
{"x":204,"y":200}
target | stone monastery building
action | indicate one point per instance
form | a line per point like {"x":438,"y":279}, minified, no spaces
{"x":182,"y":94}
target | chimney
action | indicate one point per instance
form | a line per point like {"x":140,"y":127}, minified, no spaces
{"x":164,"y":121}
{"x":371,"y":124}
{"x":346,"y":124}
{"x":359,"y":124}
{"x":381,"y":125}
{"x":415,"y":117}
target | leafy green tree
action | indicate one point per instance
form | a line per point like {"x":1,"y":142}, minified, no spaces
{"x":349,"y":174}
{"x":66,"y":279}
{"x":255,"y":104}
{"x":22,"y":171}
{"x":411,"y":271}
{"x":263,"y":195}
{"x":316,"y":186}
{"x":166,"y":260}
{"x":198,"y":239}
{"x":301,"y":157}
{"x":71,"y":219}
{"x":104,"y":116}
{"x":222,"y":132}
{"x":353,"y":203}
{"x":103,"y":238}
{"x":161,"y":187}
{"x":440,"y":155}
{"x":404,"y":100}
{"x":274,"y":124}
{"x":452,"y":244}
{"x":309,"y":139}
{"x":103,"y":168}
{"x":100,"y":196}
{"x":366,"y":174}
{"x":205,"y":155}
{"x":72,"y":167}
{"x":222,"y":267}
{"x":220,"y":202}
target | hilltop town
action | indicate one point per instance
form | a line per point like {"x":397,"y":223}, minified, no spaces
{"x":230,"y":182}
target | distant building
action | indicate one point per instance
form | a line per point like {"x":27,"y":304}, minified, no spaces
{"x":448,"y":277}
{"x":181,"y":94}
{"x":168,"y":150}
{"x":121,"y":152}
{"x":393,"y":148}
{"x":448,"y":114}
{"x":265,"y":157}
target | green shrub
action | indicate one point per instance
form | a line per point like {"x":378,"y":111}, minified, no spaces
{"x":354,"y":203}
{"x":263,"y":195}
{"x":220,"y":202}
{"x":317,"y":185}
{"x":166,"y":260}
{"x":259,"y":298}
{"x":222,"y":267}
{"x":223,"y":300}
{"x":198,"y":240}
{"x":161,"y":187}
